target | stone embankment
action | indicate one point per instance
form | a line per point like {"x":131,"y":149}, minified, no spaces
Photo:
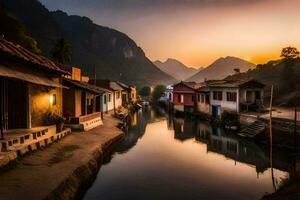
{"x":64,"y":170}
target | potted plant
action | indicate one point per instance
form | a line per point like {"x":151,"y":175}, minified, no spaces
{"x":58,"y":120}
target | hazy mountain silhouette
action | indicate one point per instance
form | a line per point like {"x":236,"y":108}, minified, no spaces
{"x":175,"y":68}
{"x":222,"y":68}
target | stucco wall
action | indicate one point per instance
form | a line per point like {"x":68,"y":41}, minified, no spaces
{"x":110,"y":104}
{"x":202,"y":106}
{"x":118,"y":101}
{"x":69,"y":102}
{"x":225,"y":105}
{"x":39,"y":103}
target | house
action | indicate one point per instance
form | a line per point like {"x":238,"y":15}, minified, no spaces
{"x":114,"y":98}
{"x":168,"y":95}
{"x":203,"y":99}
{"x":82,"y":102}
{"x":235,"y":96}
{"x":128,"y":93}
{"x":30,"y":89}
{"x":184,"y":94}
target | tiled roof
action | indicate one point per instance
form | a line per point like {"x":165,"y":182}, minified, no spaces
{"x":231,"y":83}
{"x":123,"y":85}
{"x":85,"y":86}
{"x":19,"y":52}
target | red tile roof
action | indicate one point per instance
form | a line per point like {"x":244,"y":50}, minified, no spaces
{"x":15,"y":50}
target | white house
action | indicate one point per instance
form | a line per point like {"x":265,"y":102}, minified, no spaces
{"x":234,"y":96}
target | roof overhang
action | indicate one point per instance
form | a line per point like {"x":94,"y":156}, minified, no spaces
{"x":8,"y":72}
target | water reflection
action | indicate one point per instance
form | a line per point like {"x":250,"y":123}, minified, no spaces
{"x":162,"y":157}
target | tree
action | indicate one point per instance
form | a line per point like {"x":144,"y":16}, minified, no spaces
{"x":62,"y":51}
{"x":289,"y":52}
{"x":158,"y":91}
{"x":145,"y":91}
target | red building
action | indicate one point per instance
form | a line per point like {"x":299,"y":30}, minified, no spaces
{"x":184,"y":96}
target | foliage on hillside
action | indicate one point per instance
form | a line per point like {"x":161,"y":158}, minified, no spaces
{"x":283,"y":74}
{"x":15,"y":31}
{"x":114,"y":55}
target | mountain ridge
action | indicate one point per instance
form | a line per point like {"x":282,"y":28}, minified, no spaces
{"x":221,"y":68}
{"x":112,"y":53}
{"x":175,"y":68}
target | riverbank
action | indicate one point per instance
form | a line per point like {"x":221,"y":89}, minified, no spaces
{"x":63,"y":170}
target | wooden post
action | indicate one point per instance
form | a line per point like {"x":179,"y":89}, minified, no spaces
{"x":271,"y":139}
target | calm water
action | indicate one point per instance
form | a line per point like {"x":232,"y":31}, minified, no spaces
{"x":171,"y":158}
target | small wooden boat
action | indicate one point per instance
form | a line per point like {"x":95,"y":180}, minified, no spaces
{"x":253,"y":129}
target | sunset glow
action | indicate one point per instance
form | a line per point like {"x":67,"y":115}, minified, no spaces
{"x":198,"y":32}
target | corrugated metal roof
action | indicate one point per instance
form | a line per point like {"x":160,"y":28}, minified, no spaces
{"x":20,"y":52}
{"x":29,"y":77}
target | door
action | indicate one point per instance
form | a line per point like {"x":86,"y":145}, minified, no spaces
{"x":83,"y":103}
{"x":17,"y":104}
{"x":214,"y":111}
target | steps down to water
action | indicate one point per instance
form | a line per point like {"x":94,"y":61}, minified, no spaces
{"x":253,"y":129}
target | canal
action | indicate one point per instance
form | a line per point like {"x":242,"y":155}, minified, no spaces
{"x":163,"y":157}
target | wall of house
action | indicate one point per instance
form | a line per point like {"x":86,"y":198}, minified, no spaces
{"x":202,"y":106}
{"x":110,"y":102}
{"x":77,"y":103}
{"x":39,"y":102}
{"x":118,"y":101}
{"x":187,"y":99}
{"x":224,"y":104}
{"x":104,"y":106}
{"x":243,"y":96}
{"x":69,"y":102}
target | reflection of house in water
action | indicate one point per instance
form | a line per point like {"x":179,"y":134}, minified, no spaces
{"x":170,"y":124}
{"x":238,"y":150}
{"x":231,"y":147}
{"x":184,"y":129}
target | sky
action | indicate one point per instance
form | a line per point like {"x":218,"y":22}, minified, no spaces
{"x":197,"y":32}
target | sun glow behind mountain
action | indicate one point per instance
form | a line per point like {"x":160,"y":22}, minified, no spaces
{"x":197,"y":31}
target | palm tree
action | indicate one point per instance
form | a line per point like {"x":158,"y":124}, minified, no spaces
{"x":62,"y":51}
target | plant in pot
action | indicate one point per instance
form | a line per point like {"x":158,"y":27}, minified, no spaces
{"x":58,"y":120}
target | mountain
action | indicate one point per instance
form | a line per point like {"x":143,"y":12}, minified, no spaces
{"x":221,"y":68}
{"x":175,"y":68}
{"x":113,"y":54}
{"x":282,"y":74}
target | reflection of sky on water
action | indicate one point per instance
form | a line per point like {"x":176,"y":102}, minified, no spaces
{"x":193,"y":161}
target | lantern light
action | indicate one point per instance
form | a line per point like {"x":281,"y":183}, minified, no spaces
{"x":52,"y":99}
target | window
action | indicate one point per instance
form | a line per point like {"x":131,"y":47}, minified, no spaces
{"x":202,"y":98}
{"x":193,"y":98}
{"x":231,"y":96}
{"x":180,"y":98}
{"x":207,"y":98}
{"x":118,"y":95}
{"x":109,"y":97}
{"x":217,"y":95}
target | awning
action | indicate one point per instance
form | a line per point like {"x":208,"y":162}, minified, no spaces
{"x":31,"y":78}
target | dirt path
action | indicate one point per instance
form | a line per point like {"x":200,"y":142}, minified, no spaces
{"x":58,"y":171}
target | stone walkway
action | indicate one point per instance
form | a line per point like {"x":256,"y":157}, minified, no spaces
{"x":40,"y":173}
